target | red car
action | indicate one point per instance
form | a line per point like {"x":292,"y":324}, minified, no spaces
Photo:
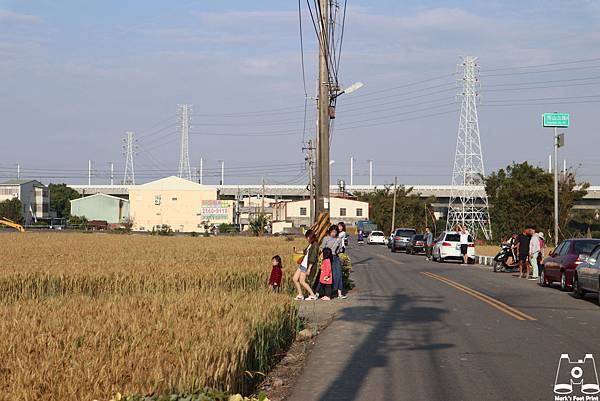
{"x":560,"y":266}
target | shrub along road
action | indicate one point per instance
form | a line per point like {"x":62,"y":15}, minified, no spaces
{"x":419,"y":330}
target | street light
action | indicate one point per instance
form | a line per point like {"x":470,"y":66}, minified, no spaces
{"x":352,"y":88}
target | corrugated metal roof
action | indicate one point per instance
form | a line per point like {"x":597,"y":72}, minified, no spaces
{"x":19,"y":182}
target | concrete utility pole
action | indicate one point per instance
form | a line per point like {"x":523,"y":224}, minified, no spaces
{"x":89,"y":172}
{"x":112,"y":173}
{"x":394,"y":205}
{"x":322,"y":187}
{"x":370,"y":173}
{"x":351,"y":171}
{"x":18,"y":171}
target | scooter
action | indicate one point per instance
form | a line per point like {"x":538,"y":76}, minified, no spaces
{"x":501,"y":260}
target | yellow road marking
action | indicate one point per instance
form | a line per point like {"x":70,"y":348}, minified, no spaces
{"x":501,"y":306}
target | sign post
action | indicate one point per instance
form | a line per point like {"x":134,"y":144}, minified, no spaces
{"x":556,"y":121}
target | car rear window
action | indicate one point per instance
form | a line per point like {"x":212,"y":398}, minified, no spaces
{"x":377,"y":233}
{"x":453,"y":237}
{"x":585,"y":246}
{"x":405,"y":233}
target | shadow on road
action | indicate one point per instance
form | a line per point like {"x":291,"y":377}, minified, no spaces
{"x":399,"y":325}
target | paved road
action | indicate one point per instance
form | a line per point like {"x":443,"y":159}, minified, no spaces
{"x":414,"y":336}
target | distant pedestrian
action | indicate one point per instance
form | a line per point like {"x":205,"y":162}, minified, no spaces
{"x":326,"y":276}
{"x":428,"y":239}
{"x":534,"y":252}
{"x":523,"y":246}
{"x":307,"y":267}
{"x":342,"y":235}
{"x":464,"y":244}
{"x":276,"y":273}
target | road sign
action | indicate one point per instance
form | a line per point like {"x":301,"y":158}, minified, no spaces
{"x":556,"y":120}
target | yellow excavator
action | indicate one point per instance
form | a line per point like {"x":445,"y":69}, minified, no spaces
{"x":10,"y":223}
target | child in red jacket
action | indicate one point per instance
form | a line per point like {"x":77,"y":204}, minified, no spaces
{"x":276,"y":273}
{"x":326,"y":278}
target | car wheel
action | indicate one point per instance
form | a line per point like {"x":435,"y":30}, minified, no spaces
{"x":542,"y":279}
{"x":577,"y":291}
{"x":563,"y":281}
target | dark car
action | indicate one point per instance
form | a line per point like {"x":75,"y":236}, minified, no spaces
{"x":587,"y":275}
{"x":415,"y":245}
{"x":560,"y":266}
{"x":401,"y":238}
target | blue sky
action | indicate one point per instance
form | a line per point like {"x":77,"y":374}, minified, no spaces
{"x":75,"y":75}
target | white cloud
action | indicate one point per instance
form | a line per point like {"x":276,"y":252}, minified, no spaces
{"x":7,"y":16}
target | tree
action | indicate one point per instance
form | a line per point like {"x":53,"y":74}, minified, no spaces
{"x":522,"y":194}
{"x":259,"y":224}
{"x":60,"y":199}
{"x":12,"y":209}
{"x":411,"y":210}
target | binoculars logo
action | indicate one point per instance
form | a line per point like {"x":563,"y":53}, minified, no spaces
{"x":580,"y":372}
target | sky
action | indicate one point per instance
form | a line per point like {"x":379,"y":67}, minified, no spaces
{"x":76,"y":75}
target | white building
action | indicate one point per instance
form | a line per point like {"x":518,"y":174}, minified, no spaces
{"x":34,"y":197}
{"x":297,"y":213}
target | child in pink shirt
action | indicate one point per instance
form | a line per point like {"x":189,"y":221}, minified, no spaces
{"x":326,"y":278}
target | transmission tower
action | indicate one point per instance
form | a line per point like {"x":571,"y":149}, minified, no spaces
{"x":129,"y":151}
{"x":468,"y":204}
{"x":185,"y":118}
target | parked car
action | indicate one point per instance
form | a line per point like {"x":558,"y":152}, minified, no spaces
{"x":587,"y":275}
{"x":401,"y":238}
{"x":560,"y":266}
{"x":376,"y":237}
{"x":447,"y":247}
{"x":415,"y":245}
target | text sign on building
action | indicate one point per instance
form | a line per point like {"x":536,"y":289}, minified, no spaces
{"x":556,"y":120}
{"x":215,"y":210}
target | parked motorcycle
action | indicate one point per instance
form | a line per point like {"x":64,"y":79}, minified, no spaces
{"x":506,"y":260}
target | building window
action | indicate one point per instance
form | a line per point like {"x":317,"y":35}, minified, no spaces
{"x":157,"y":199}
{"x":342,"y":211}
{"x":303,"y":211}
{"x":173,"y":199}
{"x":359,"y":212}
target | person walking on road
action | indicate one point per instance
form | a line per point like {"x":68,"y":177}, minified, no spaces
{"x":428,"y":239}
{"x":464,"y":244}
{"x":534,"y":252}
{"x":307,"y":267}
{"x":523,"y":241}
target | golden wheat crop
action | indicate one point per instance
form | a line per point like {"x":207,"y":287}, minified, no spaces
{"x":85,"y":316}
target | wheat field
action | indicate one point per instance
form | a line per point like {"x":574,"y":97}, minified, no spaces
{"x":84,"y":316}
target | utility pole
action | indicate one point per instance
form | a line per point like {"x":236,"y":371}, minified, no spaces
{"x":262,"y":207}
{"x":18,"y":171}
{"x":89,"y":172}
{"x":112,"y":173}
{"x":370,"y":173}
{"x":222,"y":172}
{"x":311,"y":181}
{"x":201,"y":171}
{"x":322,"y":187}
{"x":351,"y":171}
{"x":550,"y":163}
{"x":394,"y":205}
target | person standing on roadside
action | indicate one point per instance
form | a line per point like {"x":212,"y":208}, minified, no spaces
{"x":333,"y":242}
{"x":342,"y":235}
{"x":464,"y":244}
{"x":523,"y":246}
{"x":307,"y":267}
{"x":428,"y":239}
{"x":534,"y":252}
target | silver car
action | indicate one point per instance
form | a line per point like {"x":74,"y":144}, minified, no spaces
{"x":587,"y":275}
{"x":401,"y":238}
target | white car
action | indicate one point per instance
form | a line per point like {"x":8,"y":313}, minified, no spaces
{"x":376,"y":237}
{"x":447,"y":247}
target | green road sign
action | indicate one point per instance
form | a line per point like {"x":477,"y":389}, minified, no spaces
{"x":556,"y":120}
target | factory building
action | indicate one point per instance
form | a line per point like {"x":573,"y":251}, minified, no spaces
{"x":34,"y":197}
{"x":183,"y":205}
{"x":102,"y":207}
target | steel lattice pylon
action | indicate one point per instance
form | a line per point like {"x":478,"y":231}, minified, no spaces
{"x":129,"y":176}
{"x":468,"y":204}
{"x":185,"y":119}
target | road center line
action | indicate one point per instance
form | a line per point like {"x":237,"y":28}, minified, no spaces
{"x":493,"y":302}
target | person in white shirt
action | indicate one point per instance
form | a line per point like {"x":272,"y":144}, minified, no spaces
{"x":464,"y":244}
{"x":534,"y":251}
